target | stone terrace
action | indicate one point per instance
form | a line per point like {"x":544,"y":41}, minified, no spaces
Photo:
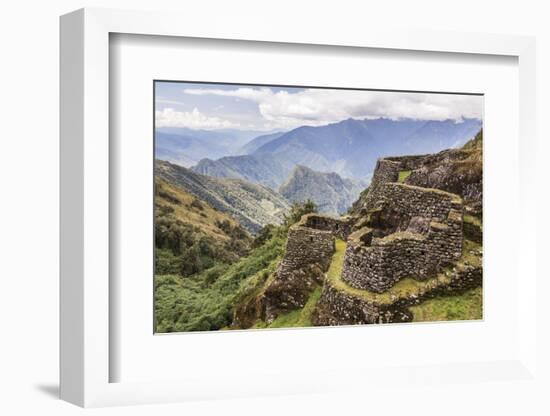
{"x":416,"y":231}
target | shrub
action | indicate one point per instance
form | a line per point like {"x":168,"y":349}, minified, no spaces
{"x":197,"y":204}
{"x":297,"y":210}
{"x":205,"y":300}
{"x":169,"y":196}
{"x":263,"y":235}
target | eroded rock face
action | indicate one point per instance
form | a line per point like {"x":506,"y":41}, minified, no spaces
{"x":463,"y":179}
{"x":459,"y":171}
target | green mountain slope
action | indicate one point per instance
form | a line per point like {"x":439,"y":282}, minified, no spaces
{"x":190,"y":236}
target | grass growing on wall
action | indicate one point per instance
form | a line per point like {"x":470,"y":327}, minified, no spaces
{"x":403,"y":175}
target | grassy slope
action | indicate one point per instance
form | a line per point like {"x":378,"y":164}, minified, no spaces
{"x":190,"y":235}
{"x":191,"y":210}
{"x":467,"y":306}
{"x":205,"y":301}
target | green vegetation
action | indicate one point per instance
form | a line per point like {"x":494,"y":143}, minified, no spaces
{"x":403,"y":175}
{"x":472,"y":220}
{"x":206,"y":265}
{"x":468,"y":306}
{"x":205,"y":301}
{"x":298,"y":318}
{"x":406,"y":287}
{"x":335,"y":268}
{"x":297,"y":210}
{"x":190,"y":236}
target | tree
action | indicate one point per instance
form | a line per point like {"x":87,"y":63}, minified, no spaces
{"x":191,"y":262}
{"x":297,"y":210}
{"x":263,"y":235}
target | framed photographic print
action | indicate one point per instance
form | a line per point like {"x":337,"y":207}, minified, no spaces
{"x":279,"y":213}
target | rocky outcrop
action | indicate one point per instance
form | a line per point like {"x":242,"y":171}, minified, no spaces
{"x":458,"y":171}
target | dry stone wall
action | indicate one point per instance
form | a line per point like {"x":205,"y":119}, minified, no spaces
{"x":409,"y":162}
{"x":405,"y":231}
{"x":338,"y":227}
{"x":307,"y":257}
{"x":306,"y":246}
{"x":386,"y":171}
{"x":428,"y":236}
{"x":339,"y":307}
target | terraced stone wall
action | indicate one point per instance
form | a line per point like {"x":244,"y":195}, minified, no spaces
{"x":307,"y":256}
{"x":409,"y":162}
{"x":338,"y":227}
{"x":306,"y":246}
{"x":341,"y":307}
{"x":385,"y":171}
{"x":430,"y":238}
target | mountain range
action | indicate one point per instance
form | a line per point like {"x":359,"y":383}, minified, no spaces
{"x":258,"y":142}
{"x":351,"y":147}
{"x":254,"y":177}
{"x":251,"y":205}
{"x":186,"y":146}
{"x":264,"y":169}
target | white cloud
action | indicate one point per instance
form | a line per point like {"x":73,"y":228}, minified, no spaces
{"x":322,"y":106}
{"x":161,"y":100}
{"x":169,"y":117}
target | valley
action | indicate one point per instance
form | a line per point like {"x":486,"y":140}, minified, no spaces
{"x":282,"y":236}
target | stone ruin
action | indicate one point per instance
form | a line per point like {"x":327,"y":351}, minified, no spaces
{"x":402,"y":231}
{"x":308,"y":253}
{"x":410,"y":231}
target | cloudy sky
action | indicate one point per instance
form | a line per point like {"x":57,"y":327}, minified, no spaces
{"x":218,"y":106}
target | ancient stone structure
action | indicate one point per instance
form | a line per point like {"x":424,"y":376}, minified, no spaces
{"x":306,"y":245}
{"x":339,"y":227}
{"x":401,"y":231}
{"x":341,"y":307}
{"x":386,"y":171}
{"x":417,"y":232}
{"x":308,"y":254}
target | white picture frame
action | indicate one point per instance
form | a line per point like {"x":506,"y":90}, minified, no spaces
{"x":85,"y":219}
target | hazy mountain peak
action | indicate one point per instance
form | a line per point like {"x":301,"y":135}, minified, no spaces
{"x":331,"y":193}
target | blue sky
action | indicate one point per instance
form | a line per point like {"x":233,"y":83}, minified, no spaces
{"x":243,"y":107}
